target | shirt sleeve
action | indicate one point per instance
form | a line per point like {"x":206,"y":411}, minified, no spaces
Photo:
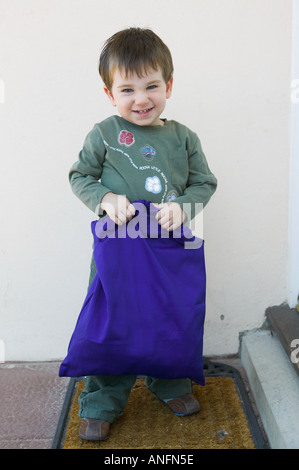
{"x":86,"y":172}
{"x":201,"y":183}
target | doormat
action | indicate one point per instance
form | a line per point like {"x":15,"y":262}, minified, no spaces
{"x":226,"y":419}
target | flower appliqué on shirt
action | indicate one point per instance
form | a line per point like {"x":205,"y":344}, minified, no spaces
{"x":171,"y":196}
{"x":153,"y":184}
{"x":126,"y":138}
{"x":148,"y":152}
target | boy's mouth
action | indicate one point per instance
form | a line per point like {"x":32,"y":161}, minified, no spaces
{"x":142,"y":111}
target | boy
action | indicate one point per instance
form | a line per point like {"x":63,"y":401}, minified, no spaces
{"x":138,"y":155}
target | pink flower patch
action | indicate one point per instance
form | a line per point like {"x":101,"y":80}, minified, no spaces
{"x":126,"y":138}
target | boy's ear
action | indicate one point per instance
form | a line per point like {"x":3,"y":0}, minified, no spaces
{"x":110,"y":96}
{"x":169,"y":88}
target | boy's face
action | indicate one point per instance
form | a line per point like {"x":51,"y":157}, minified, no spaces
{"x":140,"y":100}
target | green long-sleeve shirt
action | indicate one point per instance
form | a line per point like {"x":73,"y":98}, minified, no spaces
{"x":155,"y":163}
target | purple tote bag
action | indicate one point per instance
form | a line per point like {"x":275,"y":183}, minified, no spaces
{"x":144,"y":311}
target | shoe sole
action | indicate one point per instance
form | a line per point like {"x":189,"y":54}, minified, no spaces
{"x":192,"y":412}
{"x":94,"y":438}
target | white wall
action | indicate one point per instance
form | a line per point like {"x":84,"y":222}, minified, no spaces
{"x":232,"y":84}
{"x":293,"y":232}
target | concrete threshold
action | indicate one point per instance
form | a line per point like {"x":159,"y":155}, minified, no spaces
{"x":275,"y":387}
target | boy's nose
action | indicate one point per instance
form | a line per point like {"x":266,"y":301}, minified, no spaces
{"x":141,"y":99}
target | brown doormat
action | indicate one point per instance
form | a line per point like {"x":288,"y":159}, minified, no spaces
{"x":226,"y":419}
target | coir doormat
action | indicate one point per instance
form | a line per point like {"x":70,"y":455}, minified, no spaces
{"x":226,"y":419}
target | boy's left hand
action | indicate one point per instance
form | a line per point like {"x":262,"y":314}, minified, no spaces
{"x":170,"y":215}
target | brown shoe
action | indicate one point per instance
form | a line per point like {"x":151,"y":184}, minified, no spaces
{"x":184,"y":405}
{"x":94,"y":429}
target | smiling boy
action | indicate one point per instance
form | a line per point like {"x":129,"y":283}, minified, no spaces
{"x":140,"y":100}
{"x":138,"y":155}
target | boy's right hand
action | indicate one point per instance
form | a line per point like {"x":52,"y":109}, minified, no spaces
{"x":117,"y":207}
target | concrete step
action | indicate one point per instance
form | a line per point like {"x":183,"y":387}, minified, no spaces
{"x":275,"y":387}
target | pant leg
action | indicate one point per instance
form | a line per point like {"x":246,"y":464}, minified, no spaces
{"x":165,"y":389}
{"x":105,"y":397}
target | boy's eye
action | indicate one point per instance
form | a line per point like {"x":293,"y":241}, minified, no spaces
{"x":130,"y":90}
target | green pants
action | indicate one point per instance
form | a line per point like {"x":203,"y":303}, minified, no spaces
{"x":104,"y":397}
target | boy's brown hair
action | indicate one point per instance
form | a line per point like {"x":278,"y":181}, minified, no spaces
{"x":134,"y":50}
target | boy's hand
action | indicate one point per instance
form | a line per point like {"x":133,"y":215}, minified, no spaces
{"x":170,"y":215}
{"x":117,"y":207}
